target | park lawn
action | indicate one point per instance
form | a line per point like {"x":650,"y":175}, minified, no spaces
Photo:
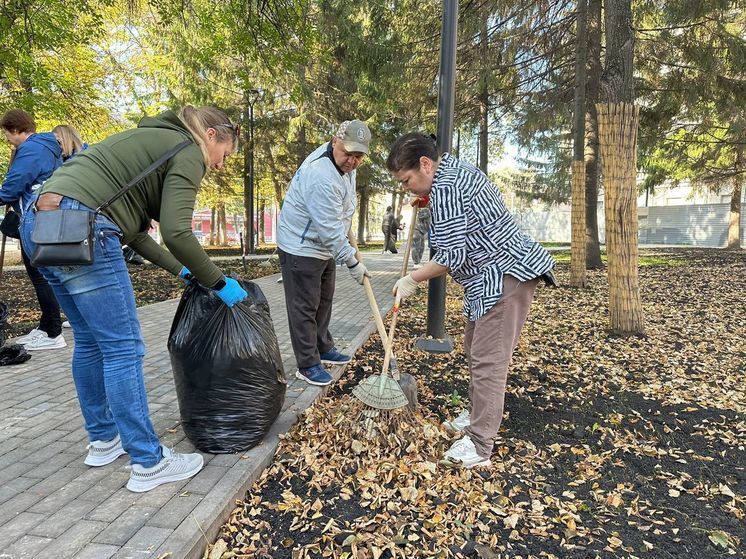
{"x":610,"y":447}
{"x":150,"y":283}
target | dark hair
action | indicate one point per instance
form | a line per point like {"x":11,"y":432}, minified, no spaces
{"x":388,"y":209}
{"x":407,"y":149}
{"x":17,"y":120}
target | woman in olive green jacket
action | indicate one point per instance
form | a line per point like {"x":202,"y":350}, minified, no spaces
{"x":99,"y":301}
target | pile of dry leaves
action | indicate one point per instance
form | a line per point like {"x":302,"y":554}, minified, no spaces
{"x":611,"y":447}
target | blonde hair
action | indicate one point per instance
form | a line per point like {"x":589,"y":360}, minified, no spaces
{"x":69,"y":140}
{"x":198,"y":119}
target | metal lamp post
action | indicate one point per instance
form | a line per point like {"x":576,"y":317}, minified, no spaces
{"x":251,"y":96}
{"x":438,"y":340}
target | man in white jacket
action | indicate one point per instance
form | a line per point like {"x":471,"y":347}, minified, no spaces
{"x":312,"y":234}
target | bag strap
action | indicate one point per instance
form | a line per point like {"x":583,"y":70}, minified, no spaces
{"x":152,"y":167}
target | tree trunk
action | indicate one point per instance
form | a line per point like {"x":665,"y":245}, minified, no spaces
{"x":302,"y":130}
{"x":617,"y":85}
{"x":617,"y":125}
{"x":362,"y":213}
{"x":618,"y":120}
{"x":734,"y":218}
{"x":223,"y":225}
{"x":277,"y":181}
{"x":213,"y":227}
{"x":484,"y":96}
{"x":262,"y":210}
{"x":592,"y":246}
{"x":577,"y":216}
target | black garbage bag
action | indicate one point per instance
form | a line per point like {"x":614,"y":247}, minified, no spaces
{"x":13,"y":354}
{"x":227,"y":368}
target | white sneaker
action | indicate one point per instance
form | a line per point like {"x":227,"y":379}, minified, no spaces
{"x":45,"y":342}
{"x":460,"y":423}
{"x":174,"y":466}
{"x":464,"y":452}
{"x":101,"y":453}
{"x":35,"y":333}
{"x":66,"y":324}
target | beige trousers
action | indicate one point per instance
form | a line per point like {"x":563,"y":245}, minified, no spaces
{"x":489,"y":343}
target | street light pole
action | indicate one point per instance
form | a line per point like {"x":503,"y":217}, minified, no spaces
{"x":248,"y":161}
{"x":438,"y":340}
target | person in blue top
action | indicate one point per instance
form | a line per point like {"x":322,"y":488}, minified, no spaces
{"x":35,"y":158}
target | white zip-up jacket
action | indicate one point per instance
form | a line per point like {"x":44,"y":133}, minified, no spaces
{"x":317,"y":212}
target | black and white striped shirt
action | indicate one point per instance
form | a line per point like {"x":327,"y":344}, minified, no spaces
{"x":476,"y":237}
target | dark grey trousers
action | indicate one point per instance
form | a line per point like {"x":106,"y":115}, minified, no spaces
{"x":309,"y":290}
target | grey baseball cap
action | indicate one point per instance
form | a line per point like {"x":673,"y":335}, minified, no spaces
{"x":354,"y":135}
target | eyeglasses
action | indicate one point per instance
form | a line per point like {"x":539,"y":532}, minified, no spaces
{"x":235,"y":127}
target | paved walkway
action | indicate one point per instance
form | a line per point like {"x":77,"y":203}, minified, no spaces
{"x":52,"y":505}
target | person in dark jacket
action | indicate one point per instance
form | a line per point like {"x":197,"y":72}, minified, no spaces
{"x":35,"y":159}
{"x":388,"y":228}
{"x":99,"y":300}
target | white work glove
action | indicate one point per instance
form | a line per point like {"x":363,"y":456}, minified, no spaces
{"x":405,"y":287}
{"x":357,"y":269}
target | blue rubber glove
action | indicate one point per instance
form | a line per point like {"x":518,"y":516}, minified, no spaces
{"x":232,"y":292}
{"x":186,"y":275}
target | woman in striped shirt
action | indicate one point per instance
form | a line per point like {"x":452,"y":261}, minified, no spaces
{"x":479,"y":244}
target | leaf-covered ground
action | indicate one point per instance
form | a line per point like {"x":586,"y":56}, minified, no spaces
{"x":610,"y":447}
{"x":150,"y":283}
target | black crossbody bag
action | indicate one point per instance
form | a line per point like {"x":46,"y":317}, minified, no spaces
{"x":65,"y":237}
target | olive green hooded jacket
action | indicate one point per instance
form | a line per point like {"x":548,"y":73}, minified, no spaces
{"x":167,"y":195}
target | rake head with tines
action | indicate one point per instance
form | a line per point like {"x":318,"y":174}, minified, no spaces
{"x":380,"y":392}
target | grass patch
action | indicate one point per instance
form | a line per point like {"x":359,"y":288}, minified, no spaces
{"x":563,"y":257}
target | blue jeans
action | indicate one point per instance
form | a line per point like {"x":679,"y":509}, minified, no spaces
{"x":107,"y":360}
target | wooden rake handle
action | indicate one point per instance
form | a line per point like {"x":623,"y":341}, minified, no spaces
{"x":397,"y":300}
{"x":372,"y":301}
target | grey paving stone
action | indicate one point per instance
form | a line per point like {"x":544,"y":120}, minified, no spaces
{"x":18,"y":527}
{"x":61,"y":461}
{"x":15,"y":506}
{"x":52,"y":483}
{"x":175,"y":511}
{"x":73,"y":540}
{"x":204,"y":481}
{"x":162,"y":494}
{"x":226,"y":460}
{"x":97,"y":551}
{"x":13,"y":471}
{"x":126,"y":525}
{"x":20,"y":483}
{"x":38,"y":454}
{"x":60,"y":498}
{"x":62,"y":519}
{"x":28,"y":547}
{"x":143,"y":543}
{"x":113,"y":507}
{"x":105,"y":487}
